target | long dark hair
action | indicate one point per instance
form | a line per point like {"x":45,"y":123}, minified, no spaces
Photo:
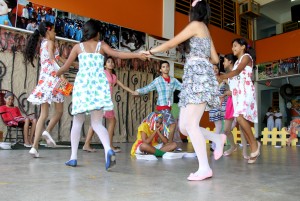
{"x":248,"y":49}
{"x":200,"y":12}
{"x":32,"y":42}
{"x":106,"y":59}
{"x":231,"y":57}
{"x":90,"y":30}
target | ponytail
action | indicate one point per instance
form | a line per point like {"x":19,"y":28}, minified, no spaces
{"x":32,"y":42}
{"x":30,"y":48}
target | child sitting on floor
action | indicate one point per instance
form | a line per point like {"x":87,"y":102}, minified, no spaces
{"x":150,"y":132}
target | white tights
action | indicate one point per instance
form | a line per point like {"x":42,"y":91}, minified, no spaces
{"x":96,"y":122}
{"x":190,"y":117}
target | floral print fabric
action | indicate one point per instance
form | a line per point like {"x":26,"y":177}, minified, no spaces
{"x":43,"y":92}
{"x":199,"y":81}
{"x":243,"y":93}
{"x":91,"y":88}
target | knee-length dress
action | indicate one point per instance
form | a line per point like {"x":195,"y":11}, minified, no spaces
{"x":91,"y":88}
{"x":43,"y":92}
{"x":243,"y":93}
{"x":199,"y":81}
{"x":218,"y":114}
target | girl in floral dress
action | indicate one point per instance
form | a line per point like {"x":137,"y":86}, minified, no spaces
{"x":42,"y":93}
{"x":91,"y":93}
{"x":243,"y":93}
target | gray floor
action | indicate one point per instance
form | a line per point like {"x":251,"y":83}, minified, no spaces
{"x":275,"y":176}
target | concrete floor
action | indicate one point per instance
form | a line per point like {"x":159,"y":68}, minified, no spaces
{"x":275,"y":176}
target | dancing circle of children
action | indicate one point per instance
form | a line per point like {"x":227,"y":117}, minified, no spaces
{"x":91,"y":92}
{"x":109,"y":66}
{"x":43,"y":93}
{"x":200,"y":88}
{"x":243,"y":93}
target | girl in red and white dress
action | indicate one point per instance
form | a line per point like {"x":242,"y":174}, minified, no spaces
{"x":243,"y":93}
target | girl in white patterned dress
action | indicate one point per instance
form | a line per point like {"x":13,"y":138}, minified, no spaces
{"x":243,"y":93}
{"x":42,"y":93}
{"x":91,"y":92}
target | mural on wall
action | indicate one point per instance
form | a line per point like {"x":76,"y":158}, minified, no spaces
{"x":132,"y":41}
{"x":110,"y":34}
{"x":29,"y":15}
{"x":8,"y":12}
{"x":69,"y":26}
{"x":279,"y":68}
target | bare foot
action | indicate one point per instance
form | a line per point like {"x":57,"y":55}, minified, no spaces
{"x":88,"y":149}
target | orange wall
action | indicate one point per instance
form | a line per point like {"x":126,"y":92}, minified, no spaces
{"x":140,"y":15}
{"x":222,"y":38}
{"x":278,"y":47}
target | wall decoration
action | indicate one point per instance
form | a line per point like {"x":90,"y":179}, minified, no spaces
{"x":69,"y":26}
{"x":29,"y":15}
{"x":110,"y":34}
{"x":153,"y":42}
{"x":8,"y":12}
{"x":278,"y":68}
{"x":132,"y":41}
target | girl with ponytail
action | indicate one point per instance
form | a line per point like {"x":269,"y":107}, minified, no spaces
{"x":43,"y":92}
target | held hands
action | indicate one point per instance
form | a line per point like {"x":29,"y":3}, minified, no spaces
{"x":143,"y":55}
{"x":220,"y":78}
{"x":135,"y":93}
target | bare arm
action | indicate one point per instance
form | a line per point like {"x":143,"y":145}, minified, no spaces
{"x":161,"y":136}
{"x":146,"y":139}
{"x":124,"y":87}
{"x":73,"y":55}
{"x":245,"y":60}
{"x":106,"y":49}
{"x":188,"y":32}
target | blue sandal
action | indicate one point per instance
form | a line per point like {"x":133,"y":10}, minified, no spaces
{"x":72,"y":163}
{"x":110,"y":159}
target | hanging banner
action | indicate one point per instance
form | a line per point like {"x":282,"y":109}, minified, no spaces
{"x":153,"y":42}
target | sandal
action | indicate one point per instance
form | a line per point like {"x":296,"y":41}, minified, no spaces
{"x":229,"y":151}
{"x":254,"y":156}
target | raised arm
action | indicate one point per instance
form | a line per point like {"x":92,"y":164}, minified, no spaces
{"x":245,"y":61}
{"x":106,"y":49}
{"x":73,"y":55}
{"x":146,"y":89}
{"x":124,"y":87}
{"x":188,"y":32}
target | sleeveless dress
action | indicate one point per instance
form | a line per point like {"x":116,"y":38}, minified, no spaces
{"x":199,"y":81}
{"x":217,"y":114}
{"x":91,"y":88}
{"x":43,"y":92}
{"x":243,"y":93}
